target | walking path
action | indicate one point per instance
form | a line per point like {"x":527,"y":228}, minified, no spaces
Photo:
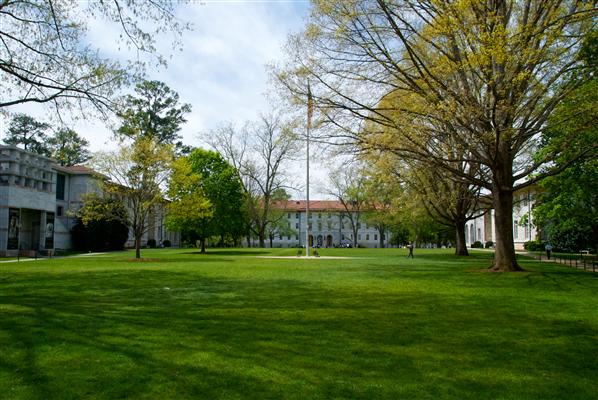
{"x":26,"y":259}
{"x":586,"y":264}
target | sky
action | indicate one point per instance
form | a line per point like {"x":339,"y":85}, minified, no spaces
{"x":220,"y":70}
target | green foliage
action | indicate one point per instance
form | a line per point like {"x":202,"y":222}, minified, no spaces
{"x":489,"y":244}
{"x":533,"y":245}
{"x":477,"y":245}
{"x":25,"y":132}
{"x":207,"y":198}
{"x":68,"y":148}
{"x":151,"y":243}
{"x":154,"y":113}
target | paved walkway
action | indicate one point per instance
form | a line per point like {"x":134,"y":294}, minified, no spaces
{"x":27,"y":259}
{"x":585,"y":263}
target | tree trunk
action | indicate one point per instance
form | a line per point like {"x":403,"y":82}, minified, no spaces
{"x":261,"y":239}
{"x":505,"y":258}
{"x":138,"y":247}
{"x":381,"y":233}
{"x":460,"y":245}
{"x":271,"y":239}
{"x":249,"y":241}
{"x":203,"y":245}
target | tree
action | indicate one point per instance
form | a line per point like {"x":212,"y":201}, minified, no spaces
{"x":348,"y":187}
{"x":567,"y":209}
{"x":25,"y":131}
{"x":210,"y":176}
{"x":258,"y":153}
{"x":45,"y":57}
{"x":154,"y":113}
{"x":68,"y":148}
{"x":189,"y":209}
{"x":137,"y":173}
{"x":484,"y":76}
{"x":102,"y":224}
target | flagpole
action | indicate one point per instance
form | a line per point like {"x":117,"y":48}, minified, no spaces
{"x":309,"y":115}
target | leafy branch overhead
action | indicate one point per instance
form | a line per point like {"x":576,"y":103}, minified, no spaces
{"x":45,"y":57}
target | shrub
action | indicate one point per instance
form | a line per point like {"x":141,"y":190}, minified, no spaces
{"x":489,"y":244}
{"x":533,"y":245}
{"x":477,"y":245}
{"x":166,"y":243}
{"x":151,"y":243}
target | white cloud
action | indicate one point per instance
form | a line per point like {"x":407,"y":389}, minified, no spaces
{"x":220,"y":70}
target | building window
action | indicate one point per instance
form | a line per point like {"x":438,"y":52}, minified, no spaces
{"x":359,"y":225}
{"x":319,"y":226}
{"x":359,"y":237}
{"x":296,"y":225}
{"x":367,"y":236}
{"x":375,"y":236}
{"x":59,"y":211}
{"x":289,"y":215}
{"x":329,"y":225}
{"x":515,"y":230}
{"x":288,"y":238}
{"x":319,"y":215}
{"x":297,"y":215}
{"x":60,"y":180}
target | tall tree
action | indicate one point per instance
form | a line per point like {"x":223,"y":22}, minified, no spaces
{"x":189,"y":210}
{"x":69,"y":148}
{"x":45,"y":57}
{"x":137,"y":173}
{"x":258,"y":153}
{"x":488,"y":73}
{"x":154,"y":113}
{"x":26,"y":132}
{"x":220,"y":183}
{"x":348,"y":187}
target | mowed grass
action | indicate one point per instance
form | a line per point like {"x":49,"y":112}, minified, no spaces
{"x":229,"y":325}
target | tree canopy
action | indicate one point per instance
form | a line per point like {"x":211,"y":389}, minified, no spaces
{"x":154,"y":112}
{"x":68,"y":147}
{"x":480,"y":76}
{"x":45,"y":57}
{"x":206,"y":175}
{"x":26,"y":132}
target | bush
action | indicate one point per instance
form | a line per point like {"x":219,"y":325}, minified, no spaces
{"x":477,"y":245}
{"x":151,"y":243}
{"x":533,"y":245}
{"x":166,"y":243}
{"x":489,"y":244}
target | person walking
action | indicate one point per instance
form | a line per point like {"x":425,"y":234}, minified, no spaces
{"x":410,"y":247}
{"x":548,"y":249}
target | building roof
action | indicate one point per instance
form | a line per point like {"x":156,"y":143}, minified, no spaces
{"x":314,"y":205}
{"x":75,"y":170}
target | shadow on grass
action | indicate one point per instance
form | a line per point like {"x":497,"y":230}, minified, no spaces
{"x":162,"y":334}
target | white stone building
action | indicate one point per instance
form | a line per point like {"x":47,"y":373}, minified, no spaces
{"x":38,"y":199}
{"x":330,"y":226}
{"x":482,"y":228}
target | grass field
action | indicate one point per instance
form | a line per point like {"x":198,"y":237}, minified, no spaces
{"x":229,"y":325}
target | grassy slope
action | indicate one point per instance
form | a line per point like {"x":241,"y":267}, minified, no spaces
{"x":229,"y":325}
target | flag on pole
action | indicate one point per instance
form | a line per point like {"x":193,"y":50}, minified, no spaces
{"x":310,"y":106}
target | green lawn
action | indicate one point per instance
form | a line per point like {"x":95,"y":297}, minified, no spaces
{"x":228,"y":325}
